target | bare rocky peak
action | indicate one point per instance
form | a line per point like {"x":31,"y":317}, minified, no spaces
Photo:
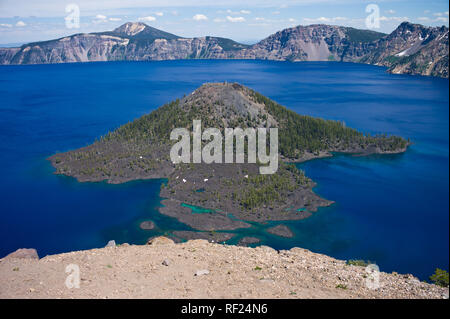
{"x":229,"y":101}
{"x":412,"y":48}
{"x":130,"y":28}
{"x":412,"y":37}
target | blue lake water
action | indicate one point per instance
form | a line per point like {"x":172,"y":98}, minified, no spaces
{"x":391,"y":209}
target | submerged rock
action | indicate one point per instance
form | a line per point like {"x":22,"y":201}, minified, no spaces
{"x":147,"y":225}
{"x":281,"y":230}
{"x":248,"y":241}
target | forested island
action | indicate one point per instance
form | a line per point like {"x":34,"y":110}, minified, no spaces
{"x":222,"y":196}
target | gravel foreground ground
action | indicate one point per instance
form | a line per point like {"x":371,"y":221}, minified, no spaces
{"x":199,"y":269}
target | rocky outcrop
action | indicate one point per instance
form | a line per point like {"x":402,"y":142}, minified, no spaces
{"x":411,"y":48}
{"x":131,"y":42}
{"x":248,"y":240}
{"x":313,"y":43}
{"x":7,"y":55}
{"x":24,"y":253}
{"x":217,"y":237}
{"x":198,"y":269}
{"x":147,"y":225}
{"x":281,"y":230}
{"x":160,"y":241}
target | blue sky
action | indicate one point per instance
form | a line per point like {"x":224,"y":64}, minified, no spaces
{"x":246,"y":21}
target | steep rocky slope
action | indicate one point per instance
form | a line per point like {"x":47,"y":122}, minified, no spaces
{"x":131,"y":41}
{"x":411,"y":48}
{"x":313,"y":43}
{"x":198,"y":269}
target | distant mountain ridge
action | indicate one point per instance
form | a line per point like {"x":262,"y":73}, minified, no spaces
{"x":411,"y":48}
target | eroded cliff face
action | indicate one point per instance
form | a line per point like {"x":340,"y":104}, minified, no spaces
{"x":76,"y":48}
{"x":304,"y":43}
{"x":7,"y":54}
{"x":163,"y":49}
{"x":411,"y":48}
{"x":131,"y":42}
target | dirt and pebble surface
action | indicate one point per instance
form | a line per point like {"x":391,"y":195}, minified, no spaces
{"x":199,"y":269}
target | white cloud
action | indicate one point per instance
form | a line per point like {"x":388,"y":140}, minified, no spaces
{"x":218,"y":20}
{"x":115,"y":19}
{"x":441,"y":14}
{"x":100,"y":17}
{"x":159,"y":14}
{"x":396,"y":19}
{"x":147,"y":19}
{"x":324,"y":19}
{"x":200,"y":17}
{"x":390,"y":11}
{"x":5,"y":25}
{"x":437,"y":19}
{"x":260,"y":19}
{"x":292,"y":20}
{"x":276,"y":12}
{"x":20,"y":24}
{"x":259,"y":24}
{"x":441,"y":19}
{"x":235,"y":19}
{"x":231,"y":12}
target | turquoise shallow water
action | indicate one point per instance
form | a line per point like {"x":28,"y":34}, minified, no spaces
{"x":391,"y":209}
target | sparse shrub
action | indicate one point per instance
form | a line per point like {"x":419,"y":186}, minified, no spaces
{"x":356,"y":262}
{"x":341,"y":286}
{"x":440,"y":277}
